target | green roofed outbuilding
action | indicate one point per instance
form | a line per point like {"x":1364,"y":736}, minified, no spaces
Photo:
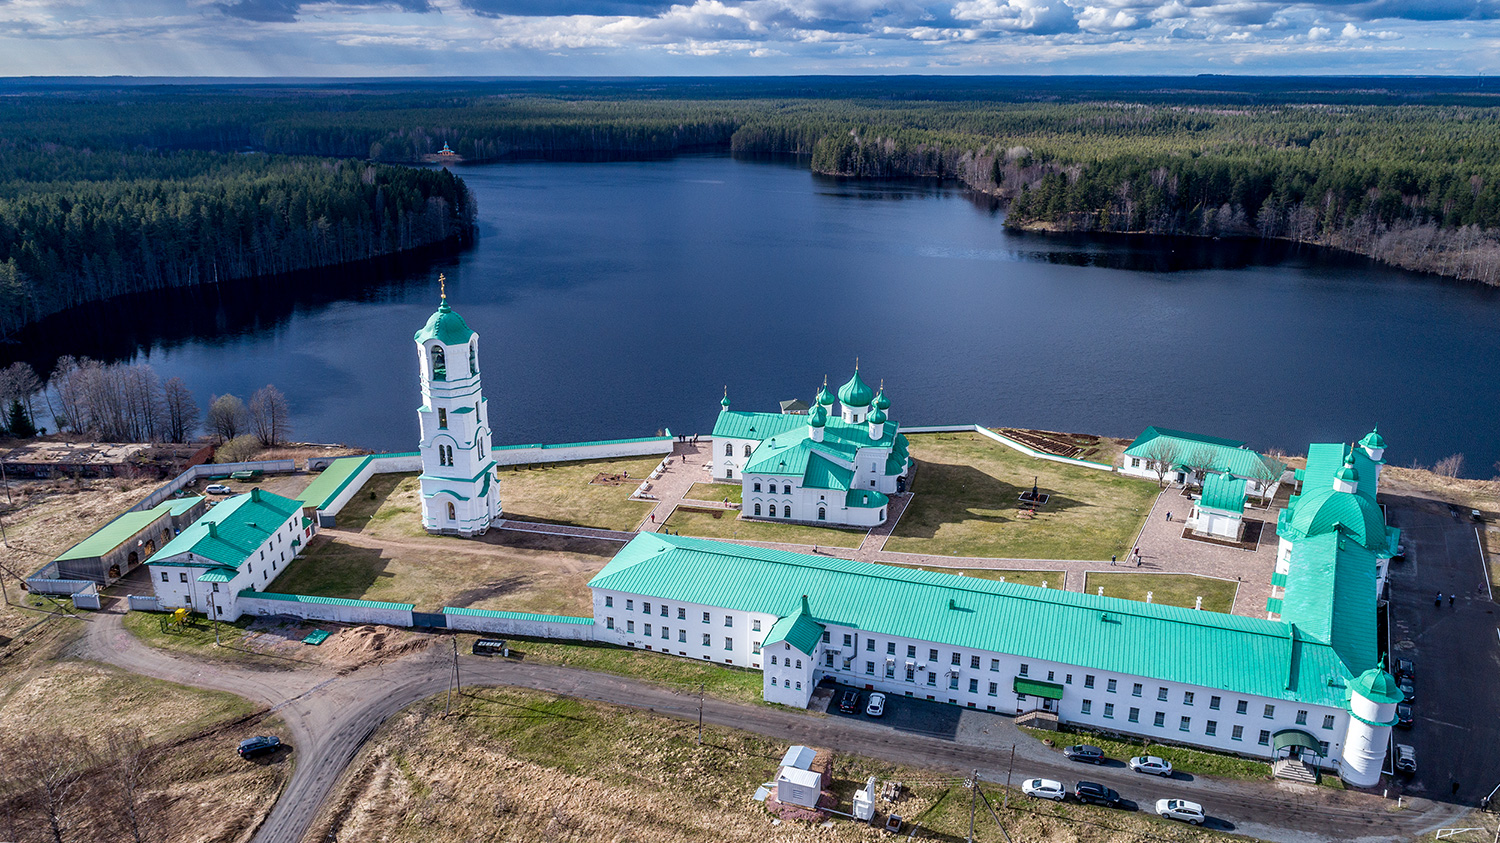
{"x":120,"y":546}
{"x":1191,"y":457}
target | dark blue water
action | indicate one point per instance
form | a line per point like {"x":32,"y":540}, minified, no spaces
{"x":616,"y":299}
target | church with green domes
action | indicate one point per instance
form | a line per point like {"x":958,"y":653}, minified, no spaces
{"x":819,"y":468}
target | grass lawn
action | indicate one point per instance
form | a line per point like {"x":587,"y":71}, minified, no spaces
{"x":715,"y":492}
{"x":1195,"y":761}
{"x":966,"y":498}
{"x":388,"y":506}
{"x":525,"y":765}
{"x":563,"y":493}
{"x":697,"y":522}
{"x":521,"y":572}
{"x":1171,"y":589}
{"x":1053,"y":579}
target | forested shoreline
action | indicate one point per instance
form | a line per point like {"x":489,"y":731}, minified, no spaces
{"x":108,"y":190}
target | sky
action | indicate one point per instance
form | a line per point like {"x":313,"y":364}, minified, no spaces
{"x":745,"y":37}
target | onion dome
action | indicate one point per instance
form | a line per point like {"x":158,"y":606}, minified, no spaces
{"x":1373,"y":440}
{"x":882,"y":402}
{"x":818,"y":417}
{"x":724,"y":402}
{"x":825,"y":398}
{"x":1348,"y":473}
{"x":856,"y":393}
{"x":1377,"y":685}
{"x":445,"y":326}
{"x":877,"y":417}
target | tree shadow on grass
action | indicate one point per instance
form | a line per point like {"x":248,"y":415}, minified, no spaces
{"x":955,"y":494}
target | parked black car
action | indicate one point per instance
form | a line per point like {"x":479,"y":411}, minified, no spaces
{"x":1084,"y":752}
{"x":1095,"y":793}
{"x":1403,"y":715}
{"x":259,"y":745}
{"x":849,"y":702}
{"x":1408,"y":690}
{"x":1404,"y":667}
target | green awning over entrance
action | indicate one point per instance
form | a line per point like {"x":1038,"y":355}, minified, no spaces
{"x":1033,"y":688}
{"x":1295,"y":737}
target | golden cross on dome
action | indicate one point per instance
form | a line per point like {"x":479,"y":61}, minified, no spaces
{"x":443,"y":286}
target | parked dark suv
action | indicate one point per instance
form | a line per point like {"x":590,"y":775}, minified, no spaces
{"x":1096,"y":794}
{"x":1084,"y":752}
{"x":259,"y":745}
{"x":1404,"y":667}
{"x":849,"y":702}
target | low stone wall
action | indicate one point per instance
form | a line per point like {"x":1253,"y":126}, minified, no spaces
{"x":44,"y":585}
{"x":193,"y":473}
{"x":369,"y":467}
{"x":324,"y":608}
{"x":563,"y":627}
{"x":573,"y":451}
{"x":144,"y":603}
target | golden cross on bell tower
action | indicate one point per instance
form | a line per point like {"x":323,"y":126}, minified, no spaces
{"x":443,"y":286}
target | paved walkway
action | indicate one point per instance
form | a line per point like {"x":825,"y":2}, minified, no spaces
{"x":687,"y":464}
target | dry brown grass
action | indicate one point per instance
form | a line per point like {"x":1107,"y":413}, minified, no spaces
{"x":1483,"y":495}
{"x":522,"y":766}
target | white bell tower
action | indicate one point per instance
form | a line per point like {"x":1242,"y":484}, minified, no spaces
{"x":460,"y":482}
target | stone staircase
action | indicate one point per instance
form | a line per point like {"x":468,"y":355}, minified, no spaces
{"x":1292,"y":769}
{"x":1038,"y":720}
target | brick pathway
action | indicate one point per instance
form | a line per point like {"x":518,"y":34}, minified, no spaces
{"x":688,"y":464}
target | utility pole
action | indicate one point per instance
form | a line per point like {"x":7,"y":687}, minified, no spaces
{"x":1010,"y":767}
{"x":454,"y":683}
{"x":700,"y":713}
{"x":973,"y":784}
{"x":214,"y":613}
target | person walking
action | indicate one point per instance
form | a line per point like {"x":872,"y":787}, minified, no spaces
{"x":1439,"y":601}
{"x":1451,"y":598}
{"x":1112,"y":558}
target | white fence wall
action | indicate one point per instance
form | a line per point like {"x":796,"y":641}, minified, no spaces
{"x":88,"y":598}
{"x":40,"y":585}
{"x":520,"y":623}
{"x":528,"y":454}
{"x":328,"y":609}
{"x":382,"y":464}
{"x":144,"y":603}
{"x":207,"y":470}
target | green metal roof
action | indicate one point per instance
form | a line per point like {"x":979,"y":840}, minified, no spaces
{"x":865,"y":499}
{"x":1223,"y":492}
{"x":783,"y":460}
{"x":1322,"y":509}
{"x":882,"y":402}
{"x":1278,"y":579}
{"x":737,"y":424}
{"x":1295,"y":737}
{"x":1248,"y":655}
{"x":1377,"y":685}
{"x":856,"y":393}
{"x":1273,"y":605}
{"x":125,"y":528}
{"x":218,"y":575}
{"x":1330,"y":596}
{"x":325,"y":601}
{"x":1036,"y":688}
{"x":446,"y":326}
{"x":517,"y":616}
{"x":1221,"y":455}
{"x":230,"y":532}
{"x":823,"y":474}
{"x":798,"y":629}
{"x":1373,"y":439}
{"x":327,"y":485}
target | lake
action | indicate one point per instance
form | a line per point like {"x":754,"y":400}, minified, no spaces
{"x":615,"y":299}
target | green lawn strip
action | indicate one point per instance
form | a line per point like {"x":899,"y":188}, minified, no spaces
{"x":1053,"y":579}
{"x":704,"y":524}
{"x":375,"y":499}
{"x":1194,"y":761}
{"x":330,"y":568}
{"x":715,"y":492}
{"x":966,"y":499}
{"x":723,"y":681}
{"x":197,"y":639}
{"x":1169,"y":589}
{"x":564,"y":493}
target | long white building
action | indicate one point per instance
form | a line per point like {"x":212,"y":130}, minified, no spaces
{"x":1307,"y":685}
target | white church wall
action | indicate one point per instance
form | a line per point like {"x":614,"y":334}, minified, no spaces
{"x":571,"y":451}
{"x":520,"y":623}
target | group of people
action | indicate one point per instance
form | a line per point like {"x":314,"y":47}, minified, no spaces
{"x":1438,"y":601}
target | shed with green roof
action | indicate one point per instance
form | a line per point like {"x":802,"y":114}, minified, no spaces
{"x":115,"y":549}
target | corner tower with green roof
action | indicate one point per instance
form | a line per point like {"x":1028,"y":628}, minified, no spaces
{"x":460,"y":481}
{"x":820,"y":468}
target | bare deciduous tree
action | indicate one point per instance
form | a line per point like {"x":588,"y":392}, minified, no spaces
{"x":18,"y":382}
{"x":182,"y":411}
{"x":117,"y":403}
{"x":1161,"y":455}
{"x":1199,"y":461}
{"x":54,"y":765}
{"x":130,"y":758}
{"x":270,"y":418}
{"x":227,"y":417}
{"x":1449,"y":466}
{"x":238,"y":449}
{"x":1267,"y":472}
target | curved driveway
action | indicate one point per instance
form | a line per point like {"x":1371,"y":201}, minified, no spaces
{"x":330,"y":716}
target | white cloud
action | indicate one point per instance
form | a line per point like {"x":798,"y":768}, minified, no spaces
{"x":1038,"y":16}
{"x":1319,"y":33}
{"x":1354,"y":33}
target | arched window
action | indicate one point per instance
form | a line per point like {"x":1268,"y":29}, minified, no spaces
{"x":747,"y":450}
{"x":757,"y":509}
{"x":133,"y":559}
{"x":439,"y":366}
{"x":799,"y":664}
{"x":166,"y":535}
{"x":799,"y":686}
{"x":882,"y":515}
{"x":473,"y":357}
{"x":786,"y":490}
{"x":728,"y":449}
{"x":773,"y":680}
{"x":786,"y":511}
{"x":822,"y":514}
{"x":452,"y":513}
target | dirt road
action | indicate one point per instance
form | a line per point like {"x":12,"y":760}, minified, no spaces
{"x":330,"y":716}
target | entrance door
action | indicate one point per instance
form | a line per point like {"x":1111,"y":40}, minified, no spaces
{"x":1049,"y":705}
